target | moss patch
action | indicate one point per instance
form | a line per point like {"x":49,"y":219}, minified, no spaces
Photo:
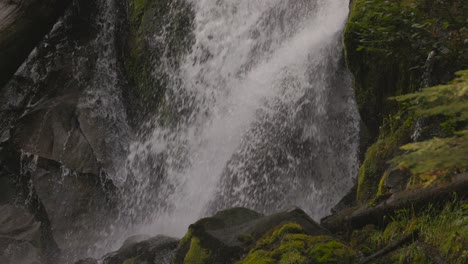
{"x":196,"y":254}
{"x":289,"y":244}
{"x":395,"y":132}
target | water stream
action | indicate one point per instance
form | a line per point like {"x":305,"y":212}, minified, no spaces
{"x":266,"y":118}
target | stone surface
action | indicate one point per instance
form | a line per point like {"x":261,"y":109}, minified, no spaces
{"x":23,"y":23}
{"x":64,"y":131}
{"x":229,"y":234}
{"x":159,"y":249}
{"x":20,"y":237}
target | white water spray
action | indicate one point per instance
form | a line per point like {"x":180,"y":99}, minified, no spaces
{"x":262,"y":76}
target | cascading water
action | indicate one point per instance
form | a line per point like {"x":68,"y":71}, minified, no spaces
{"x":265,"y":118}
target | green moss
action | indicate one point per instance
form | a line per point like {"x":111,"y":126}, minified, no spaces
{"x":395,"y":132}
{"x":435,"y":160}
{"x":289,"y":244}
{"x":186,"y":239}
{"x":196,"y":254}
{"x":129,"y":261}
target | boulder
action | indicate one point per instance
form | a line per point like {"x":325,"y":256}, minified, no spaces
{"x":159,"y":249}
{"x":246,"y":236}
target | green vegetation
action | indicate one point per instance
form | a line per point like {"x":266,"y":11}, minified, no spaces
{"x":439,"y":115}
{"x":388,"y":44}
{"x":442,"y":234}
{"x":396,"y":132}
{"x":288,"y":244}
{"x":196,"y":254}
{"x":436,"y":159}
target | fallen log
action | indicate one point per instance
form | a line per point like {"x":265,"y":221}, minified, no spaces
{"x":418,"y":199}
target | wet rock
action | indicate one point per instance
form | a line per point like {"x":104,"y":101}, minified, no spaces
{"x":159,"y":35}
{"x":87,"y":261}
{"x":135,"y":239}
{"x":73,"y":203}
{"x":159,"y":249}
{"x":63,"y":103}
{"x":230,"y":234}
{"x":20,"y":237}
{"x":64,"y":131}
{"x":23,"y":23}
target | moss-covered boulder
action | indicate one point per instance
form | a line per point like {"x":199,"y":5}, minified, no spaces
{"x":237,"y":234}
{"x":399,"y":46}
{"x":289,"y":243}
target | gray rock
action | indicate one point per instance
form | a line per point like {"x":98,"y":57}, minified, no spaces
{"x":57,"y":117}
{"x":20,"y":237}
{"x":87,"y":261}
{"x":23,"y":23}
{"x":159,"y":249}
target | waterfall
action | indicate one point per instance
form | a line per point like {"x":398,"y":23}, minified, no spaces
{"x":266,"y":118}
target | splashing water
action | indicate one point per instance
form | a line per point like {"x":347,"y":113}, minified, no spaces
{"x":266,"y":118}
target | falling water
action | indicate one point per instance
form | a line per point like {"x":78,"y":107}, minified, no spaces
{"x":265,"y":118}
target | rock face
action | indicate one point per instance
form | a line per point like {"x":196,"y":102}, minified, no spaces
{"x":25,"y":233}
{"x":23,"y":23}
{"x":63,"y":120}
{"x":20,"y":237}
{"x":160,"y":34}
{"x":63,"y":125}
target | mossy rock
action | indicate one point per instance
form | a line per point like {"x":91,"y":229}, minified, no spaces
{"x":288,"y":244}
{"x":213,"y":239}
{"x":230,"y":234}
{"x":399,"y":46}
{"x":424,"y":143}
